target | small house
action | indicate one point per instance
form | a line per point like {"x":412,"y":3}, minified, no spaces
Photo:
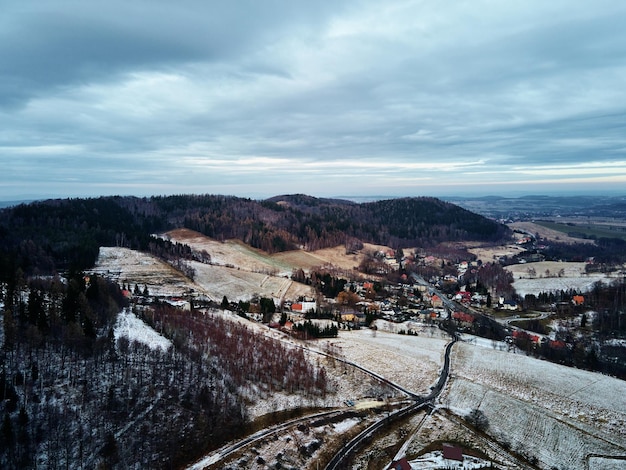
{"x":452,"y":455}
{"x":401,"y":464}
{"x":303,"y":307}
{"x":509,"y":305}
{"x":436,"y":301}
{"x":463,"y":296}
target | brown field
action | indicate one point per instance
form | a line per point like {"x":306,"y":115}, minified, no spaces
{"x":488,"y":254}
{"x":491,"y":253}
{"x":238,"y":254}
{"x":231,"y":252}
{"x":335,"y":256}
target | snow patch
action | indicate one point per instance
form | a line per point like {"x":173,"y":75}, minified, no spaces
{"x":434,"y":460}
{"x":345,"y":425}
{"x":131,"y":327}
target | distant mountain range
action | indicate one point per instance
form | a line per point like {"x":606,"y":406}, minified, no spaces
{"x":534,"y":206}
{"x":4,"y":204}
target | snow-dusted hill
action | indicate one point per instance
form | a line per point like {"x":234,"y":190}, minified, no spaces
{"x":556,"y":414}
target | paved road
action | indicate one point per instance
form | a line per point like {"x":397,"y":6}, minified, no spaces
{"x":508,"y":320}
{"x":259,"y":435}
{"x":230,"y":449}
{"x":339,"y":460}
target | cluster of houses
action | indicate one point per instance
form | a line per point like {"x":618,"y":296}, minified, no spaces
{"x":401,"y":302}
{"x":407,"y":300}
{"x":404,"y":301}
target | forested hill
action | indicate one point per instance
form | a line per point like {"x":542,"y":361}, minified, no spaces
{"x":48,"y":235}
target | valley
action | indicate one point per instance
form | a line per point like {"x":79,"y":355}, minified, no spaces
{"x":271,"y":334}
{"x":565,"y":418}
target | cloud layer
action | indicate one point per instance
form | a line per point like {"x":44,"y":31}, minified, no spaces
{"x":261,"y":98}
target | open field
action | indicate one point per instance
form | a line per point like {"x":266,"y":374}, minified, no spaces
{"x":134,"y":268}
{"x":545,"y":232}
{"x":131,"y":267}
{"x":238,"y":254}
{"x":237,"y":284}
{"x":489,"y":254}
{"x":231,"y":253}
{"x":585,"y":227}
{"x":414,"y":362}
{"x":309,"y":259}
{"x":561,"y":416}
{"x":547,"y":278}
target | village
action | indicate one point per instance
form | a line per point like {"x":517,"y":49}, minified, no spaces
{"x":391,"y":290}
{"x":410,"y":299}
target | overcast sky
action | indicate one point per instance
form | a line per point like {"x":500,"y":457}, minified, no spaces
{"x":352,"y":98}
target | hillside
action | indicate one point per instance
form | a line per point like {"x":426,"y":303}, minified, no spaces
{"x":557,"y":416}
{"x":58,"y":234}
{"x":236,"y":253}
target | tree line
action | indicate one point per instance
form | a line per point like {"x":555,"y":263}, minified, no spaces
{"x":585,"y":339}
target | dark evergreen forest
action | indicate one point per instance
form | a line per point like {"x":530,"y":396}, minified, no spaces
{"x":74,"y":396}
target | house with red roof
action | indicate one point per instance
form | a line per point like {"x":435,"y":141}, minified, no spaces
{"x":436,"y":301}
{"x":452,"y":455}
{"x":401,"y":464}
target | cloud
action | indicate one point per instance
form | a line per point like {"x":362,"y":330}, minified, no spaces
{"x":256,"y":96}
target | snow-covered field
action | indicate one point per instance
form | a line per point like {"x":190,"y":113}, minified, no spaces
{"x":132,"y":267}
{"x":561,"y":416}
{"x":413,"y":362}
{"x":554,"y":284}
{"x":135,"y":268}
{"x":237,"y":284}
{"x":546,"y":278}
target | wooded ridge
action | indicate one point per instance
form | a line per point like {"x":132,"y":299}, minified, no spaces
{"x":57,"y":234}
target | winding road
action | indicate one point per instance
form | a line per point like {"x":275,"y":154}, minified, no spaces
{"x":339,"y":460}
{"x":418,"y":401}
